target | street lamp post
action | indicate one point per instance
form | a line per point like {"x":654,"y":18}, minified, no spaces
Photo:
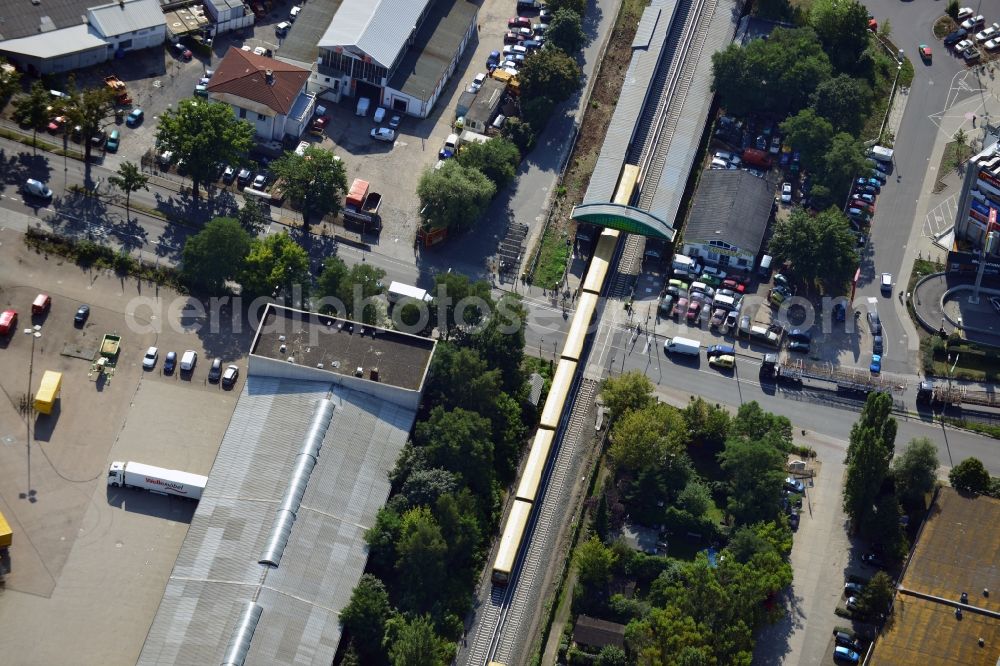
{"x":35,"y":332}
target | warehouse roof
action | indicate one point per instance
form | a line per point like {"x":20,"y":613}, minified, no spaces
{"x":267,"y":81}
{"x":434,"y":46}
{"x":26,"y":19}
{"x":732,"y":206}
{"x":957,"y":550}
{"x":127,"y":16}
{"x":379,"y":28}
{"x":333,"y":444}
{"x":69,"y":40}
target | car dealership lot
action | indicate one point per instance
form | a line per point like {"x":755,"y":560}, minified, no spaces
{"x":88,"y":564}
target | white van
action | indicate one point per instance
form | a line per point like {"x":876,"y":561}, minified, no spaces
{"x":499,"y":121}
{"x":399,"y":290}
{"x":682,"y":262}
{"x":765,"y":265}
{"x":880,"y":153}
{"x":678,"y":345}
{"x":188,"y":360}
{"x":725,"y":302}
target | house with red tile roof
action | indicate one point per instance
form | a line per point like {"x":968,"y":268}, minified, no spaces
{"x":269,"y":94}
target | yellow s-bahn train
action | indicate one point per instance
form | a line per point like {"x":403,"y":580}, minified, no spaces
{"x":528,"y":488}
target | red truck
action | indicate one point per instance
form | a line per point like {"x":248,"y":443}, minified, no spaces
{"x":41,"y":304}
{"x":361,"y":206}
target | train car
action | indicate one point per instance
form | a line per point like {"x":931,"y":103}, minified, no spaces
{"x":531,"y":478}
{"x":573,"y":347}
{"x":601,"y":261}
{"x":555,"y":403}
{"x":510,"y":542}
{"x":627,"y":185}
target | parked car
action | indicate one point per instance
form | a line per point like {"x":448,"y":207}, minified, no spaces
{"x":722,"y":362}
{"x":230,"y":376}
{"x":114,"y":140}
{"x":519,"y":22}
{"x":971,"y":54}
{"x":383,"y":134}
{"x":282,"y":28}
{"x":394,"y":122}
{"x":786,"y":193}
{"x":260,"y":181}
{"x":845,"y":639}
{"x":82,"y":313}
{"x":794,"y":485}
{"x":872,"y":560}
{"x":841,"y":653}
{"x":853,"y":589}
{"x":885,"y":281}
{"x":149,"y":360}
{"x":244,"y":177}
{"x":798,"y":346}
{"x":925,"y":53}
{"x":962,"y":45}
{"x":680,"y":307}
{"x":215,"y":372}
{"x":169,"y":362}
{"x":964,"y":13}
{"x":135,"y":117}
{"x":973,"y":21}
{"x":228,"y":174}
{"x":877,"y":345}
{"x":955,"y":36}
{"x":731,"y":319}
{"x":800,"y":335}
{"x":720,"y":350}
{"x":876,"y":365}
{"x":379,"y":115}
{"x":183,"y":52}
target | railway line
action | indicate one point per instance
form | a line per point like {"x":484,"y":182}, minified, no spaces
{"x":533,"y":524}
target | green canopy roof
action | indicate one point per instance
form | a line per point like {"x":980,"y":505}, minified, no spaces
{"x":624,"y":218}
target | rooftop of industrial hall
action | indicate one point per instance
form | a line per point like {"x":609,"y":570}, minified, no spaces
{"x":343,"y":347}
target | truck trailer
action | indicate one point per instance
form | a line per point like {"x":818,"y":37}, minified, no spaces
{"x":361,"y":206}
{"x":48,"y":392}
{"x":156,"y":479}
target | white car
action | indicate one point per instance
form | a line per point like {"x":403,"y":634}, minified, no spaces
{"x":732,"y":158}
{"x":282,"y":28}
{"x":394,"y":122}
{"x":260,"y":50}
{"x":992,"y":44}
{"x":989,"y":32}
{"x":379,"y":115}
{"x":973,"y":21}
{"x":260,"y":182}
{"x":886,"y":282}
{"x":964,"y":13}
{"x":300,"y":149}
{"x":149,"y":360}
{"x":786,"y":193}
{"x":964,"y":44}
{"x":37,"y":188}
{"x":477,"y":82}
{"x":383,"y":134}
{"x":293,"y":13}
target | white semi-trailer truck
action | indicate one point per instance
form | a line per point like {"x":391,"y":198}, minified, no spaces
{"x":156,"y":479}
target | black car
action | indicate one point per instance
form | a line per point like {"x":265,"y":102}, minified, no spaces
{"x":215,"y":371}
{"x":82,"y":312}
{"x":877,"y":345}
{"x":798,"y":346}
{"x":872,"y":560}
{"x":955,"y":37}
{"x":169,"y":363}
{"x":846,"y":640}
{"x":800,"y":335}
{"x":793,"y":520}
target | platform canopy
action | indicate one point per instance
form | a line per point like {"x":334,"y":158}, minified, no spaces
{"x":624,"y":218}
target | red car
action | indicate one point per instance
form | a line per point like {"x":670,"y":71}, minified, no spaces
{"x":734,"y":285}
{"x":319,"y":124}
{"x":8,"y":322}
{"x":694,"y":310}
{"x":519,"y":22}
{"x":863,"y":205}
{"x":57,"y":124}
{"x":511,"y":37}
{"x":679,"y":307}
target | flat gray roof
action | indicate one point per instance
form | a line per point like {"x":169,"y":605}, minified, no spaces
{"x":300,"y":46}
{"x":434,"y":47}
{"x":24,"y":19}
{"x":647,"y":48}
{"x":731,"y":205}
{"x":342,"y":346}
{"x":379,"y":28}
{"x":217,"y":574}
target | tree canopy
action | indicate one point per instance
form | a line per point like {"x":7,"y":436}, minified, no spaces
{"x":628,"y":391}
{"x":644,"y":438}
{"x":970,"y":476}
{"x":90,"y":109}
{"x":204,"y":134}
{"x":565,"y":31}
{"x":364,"y":618}
{"x":33,"y":109}
{"x":316,"y":181}
{"x":842,"y":27}
{"x":868,"y":454}
{"x":820,"y":247}
{"x":129,"y":178}
{"x":756,"y":478}
{"x":844,"y":101}
{"x":549,"y":73}
{"x":415,"y":643}
{"x":914,"y":471}
{"x":215,"y":254}
{"x":454,"y":196}
{"x":497,"y":159}
{"x":275,"y":263}
{"x":810,"y":133}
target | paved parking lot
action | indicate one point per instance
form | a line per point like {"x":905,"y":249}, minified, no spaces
{"x":89,"y":564}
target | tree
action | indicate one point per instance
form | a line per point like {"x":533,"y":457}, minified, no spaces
{"x":843,"y":100}
{"x":756,"y":478}
{"x":459,"y":304}
{"x":578,"y":6}
{"x":520,"y":134}
{"x":497,"y":159}
{"x":315,"y":181}
{"x":642,"y":439}
{"x":459,"y":440}
{"x":549,"y":73}
{"x":34,"y":109}
{"x":454,"y":196}
{"x":876,"y":414}
{"x":666,"y":636}
{"x":500,"y":341}
{"x":254,"y":216}
{"x":509,"y":431}
{"x":382,"y":538}
{"x":752,"y":422}
{"x":696,"y":498}
{"x":424,"y":486}
{"x":876,"y":597}
{"x":628,"y":391}
{"x":776,"y":75}
{"x":275,"y":264}
{"x":707,"y":425}
{"x":129,"y":178}
{"x":215,"y":254}
{"x":611,"y":655}
{"x":565,"y":31}
{"x":460,"y":378}
{"x":594,"y":563}
{"x":203,"y":134}
{"x":358,"y":289}
{"x":364,"y":618}
{"x":867,"y":468}
{"x":810,"y":134}
{"x":915,"y":471}
{"x":328,"y":284}
{"x":952,"y":9}
{"x":10,"y":80}
{"x":845,"y":158}
{"x":421,"y":559}
{"x":970,"y":476}
{"x":821,"y":248}
{"x":842,"y":27}
{"x":537,"y":111}
{"x":90,"y":109}
{"x":415,"y":643}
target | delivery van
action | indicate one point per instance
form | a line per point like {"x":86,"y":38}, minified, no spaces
{"x":679,"y":345}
